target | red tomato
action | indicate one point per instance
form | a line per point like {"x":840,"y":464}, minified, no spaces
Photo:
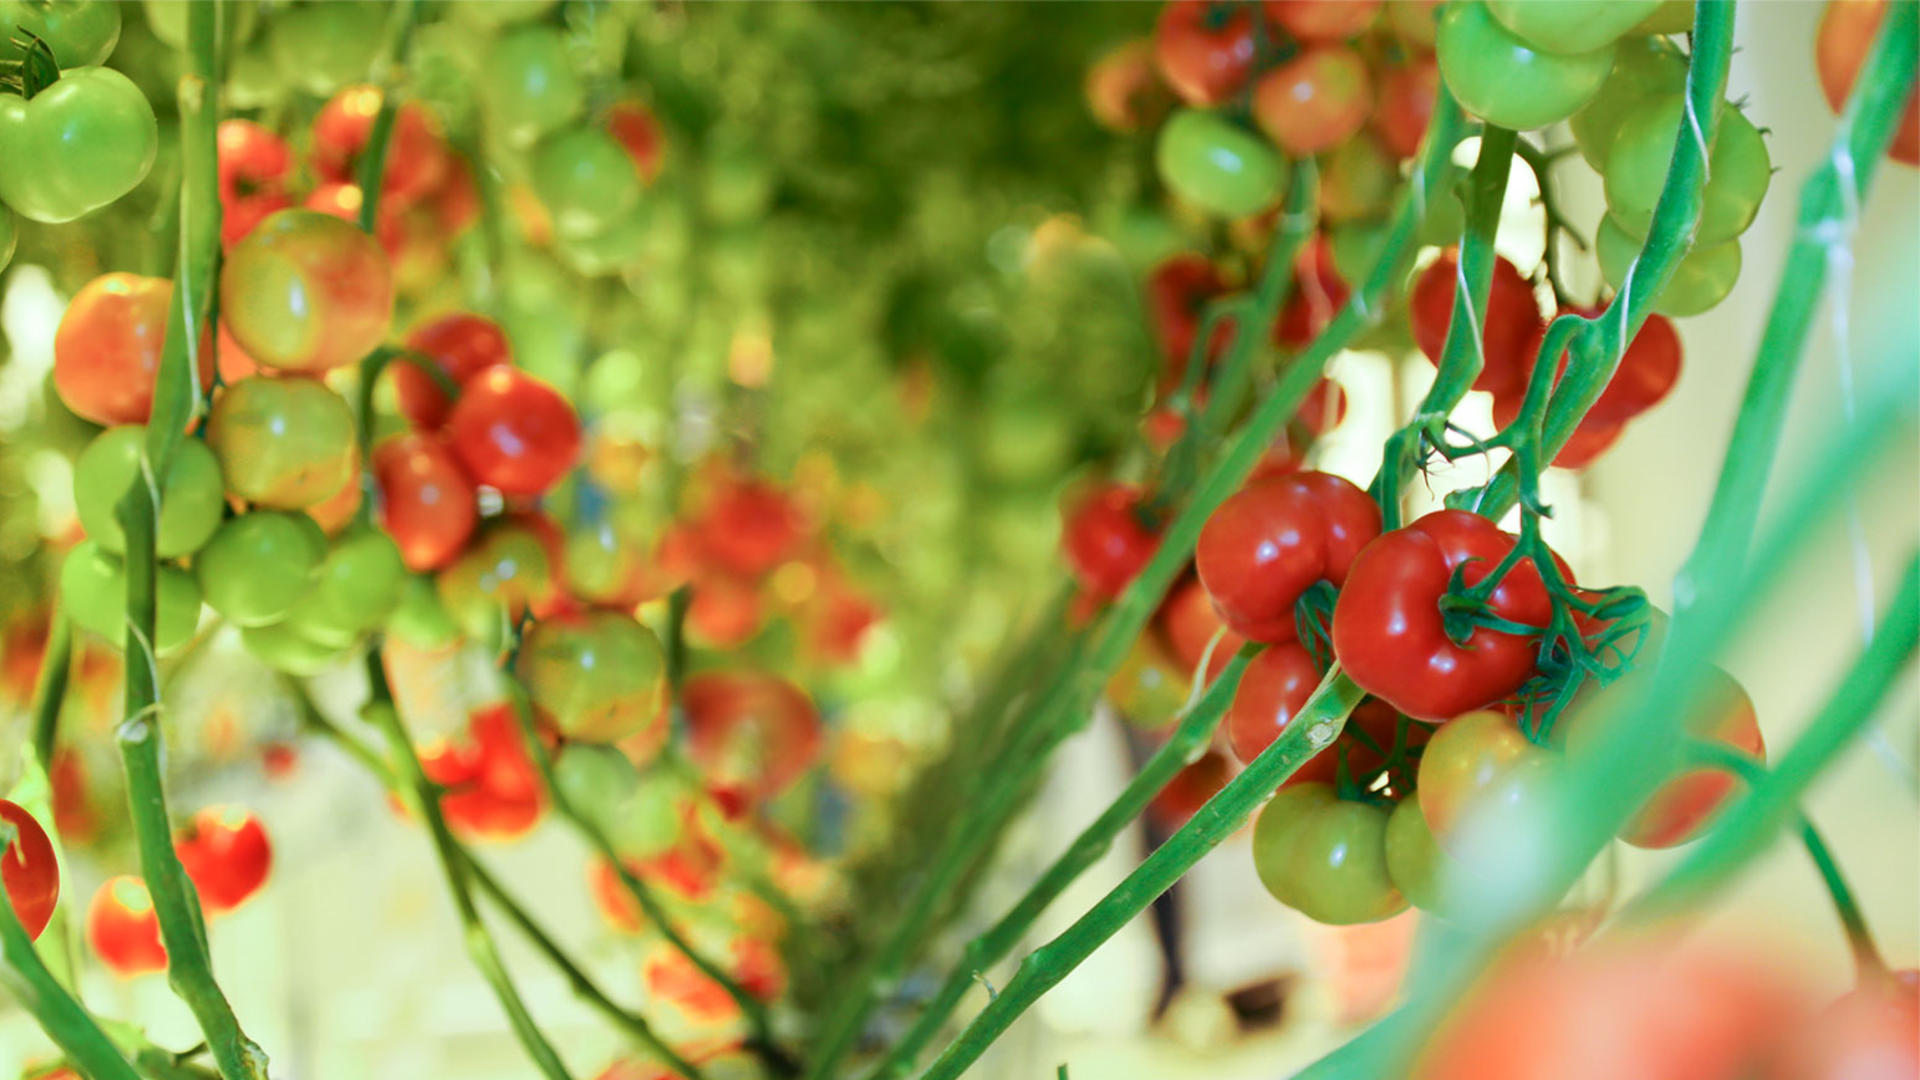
{"x":725,"y":611}
{"x":1404,"y":105}
{"x":254,"y":165}
{"x":339,"y":199}
{"x":1276,"y":684}
{"x":456,"y":206}
{"x":633,"y":126}
{"x":1106,"y":542}
{"x":306,"y":292}
{"x":416,"y":160}
{"x":1590,"y":439}
{"x":1323,"y":408}
{"x":1191,"y":787}
{"x":1205,"y":50}
{"x":751,"y":734}
{"x":1178,"y":290}
{"x":1510,"y":325}
{"x":839,"y":623}
{"x":1847,"y":30}
{"x":1322,"y":20}
{"x":1123,"y":88}
{"x":73,"y":810}
{"x":492,"y":788}
{"x":123,"y":928}
{"x":1188,"y":623}
{"x":750,"y":527}
{"x":1872,"y":1033}
{"x":1317,"y":296}
{"x":461,"y":345}
{"x":1315,"y":101}
{"x":1391,"y":637}
{"x":29,"y":870}
{"x":514,"y":432}
{"x":670,"y":975}
{"x":106,"y":351}
{"x":427,"y":502}
{"x":1269,"y":543}
{"x":224,"y":849}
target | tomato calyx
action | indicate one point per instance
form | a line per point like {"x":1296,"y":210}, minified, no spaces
{"x":38,"y":68}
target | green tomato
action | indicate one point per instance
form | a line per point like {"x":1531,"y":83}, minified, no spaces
{"x":599,"y":563}
{"x":1499,"y":78}
{"x":1415,"y":859}
{"x":1738,"y":170}
{"x":1671,"y":17}
{"x":91,"y":137}
{"x":282,"y":647}
{"x":1444,"y":220}
{"x":286,"y":444}
{"x":1570,"y":26}
{"x":500,"y":12}
{"x":1644,"y":69}
{"x":654,"y":816}
{"x":1702,"y":280}
{"x":420,"y":619}
{"x":8,"y":238}
{"x":1217,"y":165}
{"x":596,"y":780}
{"x":322,"y":47}
{"x":80,"y":32}
{"x":1357,"y":180}
{"x":531,"y":87}
{"x":586,"y":180}
{"x":1356,"y":246}
{"x":356,"y":588}
{"x":259,"y":565}
{"x":1326,"y":857}
{"x":192,"y":498}
{"x":596,"y":677}
{"x":93,"y":592}
{"x":622,"y":245}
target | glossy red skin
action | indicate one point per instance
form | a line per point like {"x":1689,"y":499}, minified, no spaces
{"x":1317,"y":296}
{"x":1847,"y":30}
{"x":125,"y":935}
{"x":1191,"y":787}
{"x":29,"y":870}
{"x":1510,"y":325}
{"x":633,"y":126}
{"x":750,"y":527}
{"x":1322,"y":20}
{"x":1275,"y":685}
{"x":1205,"y":61}
{"x":1177,"y":291}
{"x":1387,"y":627}
{"x":427,"y":501}
{"x":1872,"y":1033}
{"x":1273,"y":540}
{"x":1590,"y":439}
{"x":416,"y":160}
{"x":1105,"y":543}
{"x":254,"y":165}
{"x":493,"y":790}
{"x":1188,"y":623}
{"x":514,"y":432}
{"x":461,"y":345}
{"x":226,"y":852}
{"x":106,"y":351}
{"x":1315,"y":101}
{"x":752,"y":734}
{"x":1403,"y":105}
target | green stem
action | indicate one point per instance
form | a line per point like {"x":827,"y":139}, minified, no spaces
{"x":373,"y":162}
{"x":421,"y":797}
{"x":1188,"y":739}
{"x":50,"y":687}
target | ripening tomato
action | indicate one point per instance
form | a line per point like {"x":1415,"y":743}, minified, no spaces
{"x":511,"y":568}
{"x":1359,"y":180}
{"x":29,"y":870}
{"x":259,"y":564}
{"x":1510,"y":325}
{"x":1847,"y":31}
{"x":1872,"y":1033}
{"x":1322,"y":410}
{"x":598,"y":676}
{"x":1403,"y":105}
{"x":254,"y":167}
{"x":1416,"y":862}
{"x":460,"y":345}
{"x":1264,"y":547}
{"x":1205,"y":50}
{"x":750,"y":526}
{"x":1503,"y":80}
{"x":191,"y":497}
{"x":1393,"y":639}
{"x":1322,"y":20}
{"x":1123,"y":88}
{"x":752,"y":734}
{"x":514,"y":432}
{"x":1315,"y":101}
{"x":123,"y":928}
{"x":1325,"y":857}
{"x":1105,"y":539}
{"x":427,"y":502}
{"x":282,"y":443}
{"x":306,"y":292}
{"x":1476,"y":757}
{"x":633,"y":126}
{"x":1178,"y":290}
{"x":726,"y":611}
{"x":416,"y":160}
{"x":1318,"y":294}
{"x":106,"y":351}
{"x":1188,"y":624}
{"x":224,"y":849}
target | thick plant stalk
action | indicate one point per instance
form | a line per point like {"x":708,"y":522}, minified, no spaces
{"x":422,"y":798}
{"x":1189,"y":738}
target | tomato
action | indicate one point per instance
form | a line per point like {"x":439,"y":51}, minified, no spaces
{"x":1317,"y":296}
{"x":123,"y":928}
{"x":1475,"y":760}
{"x":1646,"y":373}
{"x":1187,"y":624}
{"x":461,"y":345}
{"x":254,"y":167}
{"x":1148,"y":689}
{"x":427,"y":503}
{"x":305,"y":291}
{"x":81,"y":33}
{"x":751,"y":734}
{"x":1324,"y":407}
{"x":726,"y":611}
{"x":1417,"y":22}
{"x":1275,"y":685}
{"x":1702,"y":279}
{"x":1315,"y":101}
{"x":597,"y":781}
{"x":1590,"y":439}
{"x":633,"y":126}
{"x":285,"y":444}
{"x":1645,"y":70}
{"x":1391,"y":636}
{"x":1358,"y":181}
{"x":1264,"y":547}
{"x":323,"y":47}
{"x":191,"y":497}
{"x":1570,"y":26}
{"x":514,"y":432}
{"x":259,"y":565}
{"x":284,"y":647}
{"x":586,"y":180}
{"x":1738,"y":170}
{"x":492,"y":787}
{"x":1671,"y":17}
{"x":1416,"y":862}
{"x":1205,"y":50}
{"x":353,"y":592}
{"x":597,"y":677}
{"x":106,"y":351}
{"x":1207,"y":160}
{"x":509,"y":569}
{"x":91,"y":137}
{"x":416,"y":161}
{"x":1847,"y":31}
{"x":93,"y":592}
{"x":1123,"y":88}
{"x":1403,"y":106}
{"x":224,"y":849}
{"x":29,"y":870}
{"x":670,"y":976}
{"x":1504,"y":81}
{"x":1511,"y":323}
{"x":8,"y":238}
{"x":1326,"y":857}
{"x":1322,"y":20}
{"x":1191,"y":787}
{"x":1872,"y":1033}
{"x":337,"y":511}
{"x":1105,"y":540}
{"x":750,"y":527}
{"x":420,"y":619}
{"x":1178,"y":291}
{"x":532,"y":85}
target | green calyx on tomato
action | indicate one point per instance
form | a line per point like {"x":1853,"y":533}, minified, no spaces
{"x":90,"y":138}
{"x":1217,"y":165}
{"x":191,"y":495}
{"x":80,"y":33}
{"x":1506,"y":82}
{"x":259,"y":565}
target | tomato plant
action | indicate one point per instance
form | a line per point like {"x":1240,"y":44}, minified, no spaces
{"x":751,"y":734}
{"x":1325,"y":857}
{"x":460,"y":346}
{"x":1314,"y":102}
{"x":1205,"y":50}
{"x":1266,"y":546}
{"x":190,"y":493}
